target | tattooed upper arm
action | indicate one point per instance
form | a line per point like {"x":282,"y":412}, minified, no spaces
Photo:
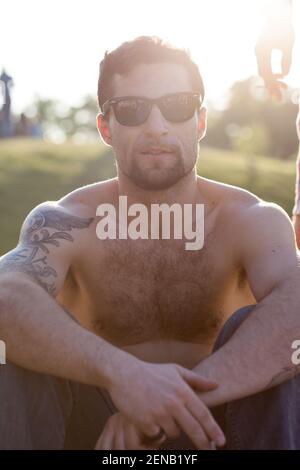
{"x":44,"y":246}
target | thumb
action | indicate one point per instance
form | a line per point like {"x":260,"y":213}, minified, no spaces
{"x":198,"y":382}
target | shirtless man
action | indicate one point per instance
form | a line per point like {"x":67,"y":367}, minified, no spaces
{"x":143,"y":313}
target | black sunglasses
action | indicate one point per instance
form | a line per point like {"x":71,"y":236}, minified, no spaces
{"x":134,"y":110}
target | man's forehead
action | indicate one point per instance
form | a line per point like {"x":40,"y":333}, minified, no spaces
{"x":152,"y":80}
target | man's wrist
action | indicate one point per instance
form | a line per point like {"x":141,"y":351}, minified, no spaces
{"x":207,"y":369}
{"x":110,"y":370}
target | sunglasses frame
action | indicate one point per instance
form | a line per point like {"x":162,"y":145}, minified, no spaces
{"x":112,"y":101}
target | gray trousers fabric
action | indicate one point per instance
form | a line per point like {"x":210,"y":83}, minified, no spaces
{"x":38,"y":411}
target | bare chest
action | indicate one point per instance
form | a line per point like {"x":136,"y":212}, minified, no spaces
{"x":143,"y":289}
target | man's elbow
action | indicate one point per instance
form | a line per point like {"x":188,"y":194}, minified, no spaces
{"x":13,"y":286}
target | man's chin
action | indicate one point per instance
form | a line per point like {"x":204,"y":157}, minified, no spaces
{"x":157,"y":183}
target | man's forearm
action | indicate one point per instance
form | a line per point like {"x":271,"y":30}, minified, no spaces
{"x":258,"y":355}
{"x":41,"y":336}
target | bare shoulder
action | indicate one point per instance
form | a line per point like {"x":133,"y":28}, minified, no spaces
{"x":251,"y":212}
{"x":56,"y":222}
{"x":227,"y":196}
{"x":90,"y":196}
{"x":242,"y":206}
{"x":53,"y":216}
{"x":75,"y":210}
{"x":247,"y":219}
{"x":50,"y":238}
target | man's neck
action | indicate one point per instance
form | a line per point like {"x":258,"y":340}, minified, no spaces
{"x":185,"y":191}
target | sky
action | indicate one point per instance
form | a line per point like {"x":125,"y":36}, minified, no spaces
{"x":52,"y":48}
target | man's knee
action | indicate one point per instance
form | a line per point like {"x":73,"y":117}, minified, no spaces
{"x":232,"y":324}
{"x":266,"y":420}
{"x":34,"y":409}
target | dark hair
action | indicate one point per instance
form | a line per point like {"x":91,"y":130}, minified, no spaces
{"x":147,"y":50}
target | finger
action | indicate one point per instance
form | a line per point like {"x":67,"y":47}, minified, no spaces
{"x":203,"y":415}
{"x":196,"y":381}
{"x":119,"y":438}
{"x":105,"y":441}
{"x":154,"y":442}
{"x":275,"y":88}
{"x":99,"y":443}
{"x":192,"y":428}
{"x":148,"y":429}
{"x":133,"y":438}
{"x":171,"y":429}
{"x":264,"y":61}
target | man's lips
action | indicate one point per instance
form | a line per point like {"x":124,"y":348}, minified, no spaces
{"x":156,"y":150}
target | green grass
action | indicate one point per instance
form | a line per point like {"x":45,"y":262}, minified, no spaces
{"x":32,"y":172}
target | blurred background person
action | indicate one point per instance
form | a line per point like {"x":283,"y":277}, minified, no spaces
{"x":278,"y":34}
{"x":23,"y":126}
{"x":6,"y":124}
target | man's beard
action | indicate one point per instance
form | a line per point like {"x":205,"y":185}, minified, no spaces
{"x":156,"y":179}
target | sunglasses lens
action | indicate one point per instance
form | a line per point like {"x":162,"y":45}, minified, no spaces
{"x":179,"y":108}
{"x":175,"y":108}
{"x":132,"y":111}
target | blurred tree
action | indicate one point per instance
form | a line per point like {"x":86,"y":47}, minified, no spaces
{"x":251,"y":122}
{"x":77,"y":123}
{"x":270,"y":126}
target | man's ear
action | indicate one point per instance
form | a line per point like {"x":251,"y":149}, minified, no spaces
{"x":103,"y":128}
{"x":202,"y":123}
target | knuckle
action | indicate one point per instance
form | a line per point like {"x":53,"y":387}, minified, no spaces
{"x":178,"y":388}
{"x":200,"y":439}
{"x":174,"y":433}
{"x":159,"y":413}
{"x":183,"y":392}
{"x":172,"y":404}
{"x":145,"y":424}
{"x":196,"y":431}
{"x":146,"y":429}
{"x":214,"y":429}
{"x":204,"y":415}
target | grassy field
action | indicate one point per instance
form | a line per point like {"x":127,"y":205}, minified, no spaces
{"x":32,"y":172}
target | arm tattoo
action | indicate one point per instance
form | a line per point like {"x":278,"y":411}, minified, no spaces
{"x":31,"y":256}
{"x":287,"y":373}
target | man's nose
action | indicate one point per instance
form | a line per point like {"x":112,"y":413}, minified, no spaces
{"x":156,"y":123}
